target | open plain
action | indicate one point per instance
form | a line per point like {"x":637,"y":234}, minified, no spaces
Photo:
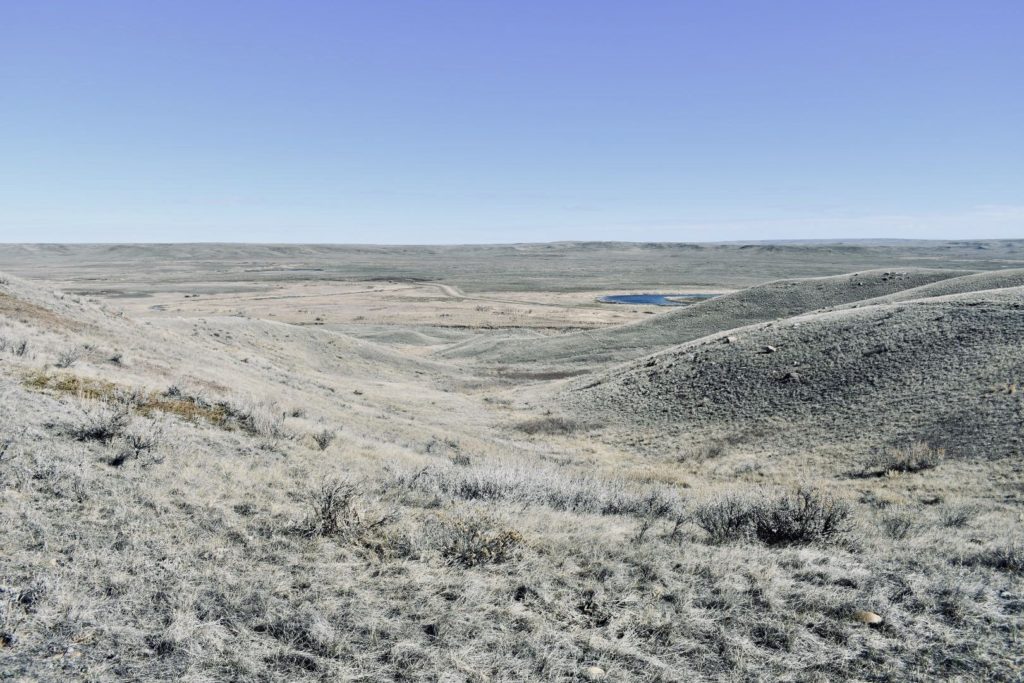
{"x":258,"y":462}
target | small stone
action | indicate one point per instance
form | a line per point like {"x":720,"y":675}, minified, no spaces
{"x":594,"y":673}
{"x":869,"y":618}
{"x":769,"y":349}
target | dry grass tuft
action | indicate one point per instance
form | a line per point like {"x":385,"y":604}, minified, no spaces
{"x":549,"y":426}
{"x":915,"y":457}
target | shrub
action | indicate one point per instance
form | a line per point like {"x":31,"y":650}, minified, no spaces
{"x":334,"y":510}
{"x":136,"y":444}
{"x":67,"y":358}
{"x":101,"y":424}
{"x":323,"y":439}
{"x":549,"y":425}
{"x":473,"y":541}
{"x":726,"y":519}
{"x":806,"y":516}
{"x":800,"y":518}
{"x":916,"y":457}
{"x":20,"y":348}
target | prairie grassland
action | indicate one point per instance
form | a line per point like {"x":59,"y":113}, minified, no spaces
{"x":222,"y":498}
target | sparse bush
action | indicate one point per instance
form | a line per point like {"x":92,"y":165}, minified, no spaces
{"x":20,"y":348}
{"x":136,"y":444}
{"x":957,"y":516}
{"x":803,"y":517}
{"x":102,"y":423}
{"x":334,"y":510}
{"x":473,"y":541}
{"x":68,"y":357}
{"x":551,"y":426}
{"x":323,"y":439}
{"x":729,"y":518}
{"x":116,"y":358}
{"x":916,"y":457}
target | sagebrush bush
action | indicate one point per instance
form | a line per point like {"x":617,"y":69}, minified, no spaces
{"x":957,"y":516}
{"x":726,"y":519}
{"x":101,"y":423}
{"x":544,"y":485}
{"x":805,"y":516}
{"x":135,"y":445}
{"x":68,"y":357}
{"x":470,"y":541}
{"x":336,"y":508}
{"x":323,"y":438}
{"x":799,"y":518}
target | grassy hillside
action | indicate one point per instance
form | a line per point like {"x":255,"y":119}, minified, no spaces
{"x":779,"y":299}
{"x":944,"y":370}
{"x":227,"y":499}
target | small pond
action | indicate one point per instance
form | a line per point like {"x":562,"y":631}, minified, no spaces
{"x":655,"y":299}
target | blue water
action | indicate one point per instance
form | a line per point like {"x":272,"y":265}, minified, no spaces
{"x":655,"y":299}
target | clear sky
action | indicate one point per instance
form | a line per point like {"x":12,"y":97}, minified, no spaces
{"x":415,"y":121}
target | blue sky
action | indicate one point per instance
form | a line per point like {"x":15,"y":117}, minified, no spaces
{"x":439,"y":122}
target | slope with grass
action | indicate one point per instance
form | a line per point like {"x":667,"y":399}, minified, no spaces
{"x":945,"y":370}
{"x":780,"y":299}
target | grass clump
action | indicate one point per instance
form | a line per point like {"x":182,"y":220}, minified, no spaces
{"x":898,"y":525}
{"x":550,"y":426}
{"x":1008,"y":557}
{"x":915,"y":457}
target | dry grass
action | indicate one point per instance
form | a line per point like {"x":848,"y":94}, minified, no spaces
{"x":173,"y":536}
{"x":551,"y":425}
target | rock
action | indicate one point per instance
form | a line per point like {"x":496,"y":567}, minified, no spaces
{"x":791,"y":378}
{"x":594,"y":673}
{"x":730,"y":340}
{"x":769,"y":349}
{"x":869,"y":618}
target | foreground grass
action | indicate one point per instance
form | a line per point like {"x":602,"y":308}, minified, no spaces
{"x":231,"y":558}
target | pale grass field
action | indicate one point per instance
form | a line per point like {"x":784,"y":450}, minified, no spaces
{"x":169,"y":514}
